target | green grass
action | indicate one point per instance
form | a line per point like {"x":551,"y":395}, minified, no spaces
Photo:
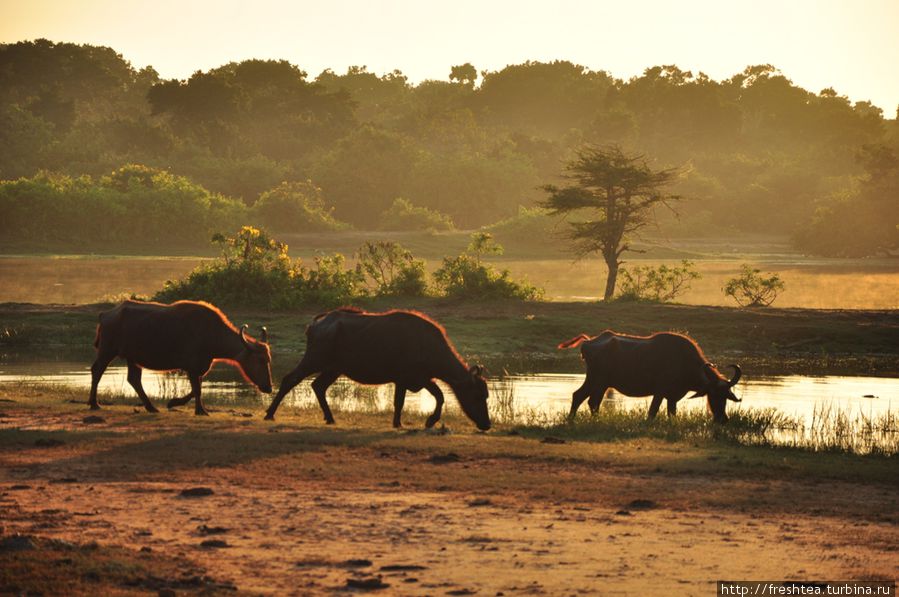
{"x":830,"y":431}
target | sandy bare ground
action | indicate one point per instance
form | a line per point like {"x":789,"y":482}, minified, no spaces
{"x":307,"y":510}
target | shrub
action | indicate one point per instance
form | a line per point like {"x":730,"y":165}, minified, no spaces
{"x":464,"y":276}
{"x":659,"y":285}
{"x":254,"y":270}
{"x":329,"y":283}
{"x":402,"y":215}
{"x":750,"y":289}
{"x":134,"y":204}
{"x":295,"y":207}
{"x":391,"y":270}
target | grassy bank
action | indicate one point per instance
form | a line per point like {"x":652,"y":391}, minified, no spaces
{"x":521,"y":337}
{"x":690,"y":445}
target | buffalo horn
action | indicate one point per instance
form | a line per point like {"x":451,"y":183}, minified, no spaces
{"x":737,"y":374}
{"x":243,"y":338}
{"x":264,"y":335}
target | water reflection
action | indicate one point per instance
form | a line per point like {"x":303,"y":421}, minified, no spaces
{"x":546,"y":394}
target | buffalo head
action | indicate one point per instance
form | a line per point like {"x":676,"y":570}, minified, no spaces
{"x":472,"y":394}
{"x":256,"y":360}
{"x":719,"y":390}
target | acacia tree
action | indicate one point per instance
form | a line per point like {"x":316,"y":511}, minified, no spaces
{"x":617,"y":192}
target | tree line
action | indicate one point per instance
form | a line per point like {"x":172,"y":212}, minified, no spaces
{"x":755,"y":153}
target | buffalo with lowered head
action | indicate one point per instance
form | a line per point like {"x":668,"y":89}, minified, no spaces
{"x":663,"y":365}
{"x":405,"y":348}
{"x":185,"y":336}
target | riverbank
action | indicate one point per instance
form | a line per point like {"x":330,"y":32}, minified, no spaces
{"x":131,"y":502}
{"x":521,"y":337}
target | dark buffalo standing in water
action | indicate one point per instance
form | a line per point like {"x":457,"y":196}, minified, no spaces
{"x":401,"y":347}
{"x":187,"y":336}
{"x":663,"y":365}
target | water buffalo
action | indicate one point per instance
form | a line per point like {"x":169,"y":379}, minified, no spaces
{"x":186,"y":335}
{"x":405,"y":348}
{"x":663,"y":365}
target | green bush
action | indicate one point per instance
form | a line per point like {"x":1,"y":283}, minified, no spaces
{"x":391,"y":270}
{"x":464,"y":276}
{"x":658,"y":285}
{"x":402,"y":215}
{"x":254,"y":270}
{"x":750,"y":289}
{"x":329,"y":283}
{"x":134,"y":204}
{"x":295,"y":207}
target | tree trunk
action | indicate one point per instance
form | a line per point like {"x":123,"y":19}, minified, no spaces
{"x":612,"y":278}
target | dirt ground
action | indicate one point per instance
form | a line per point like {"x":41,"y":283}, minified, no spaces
{"x":297,"y":508}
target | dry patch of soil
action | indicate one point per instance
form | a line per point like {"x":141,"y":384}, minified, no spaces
{"x":231,"y":504}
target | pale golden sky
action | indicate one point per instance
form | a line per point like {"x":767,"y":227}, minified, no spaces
{"x":851,"y":45}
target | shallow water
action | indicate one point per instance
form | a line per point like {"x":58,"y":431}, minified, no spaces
{"x":544,"y":394}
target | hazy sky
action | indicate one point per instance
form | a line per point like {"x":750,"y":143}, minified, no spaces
{"x":851,"y":45}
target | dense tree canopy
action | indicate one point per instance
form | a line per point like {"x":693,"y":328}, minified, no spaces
{"x":475,"y":146}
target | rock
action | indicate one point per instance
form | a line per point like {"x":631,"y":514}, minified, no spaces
{"x":444,"y":458}
{"x":642,"y":505}
{"x":552,"y":440}
{"x":402,"y":567}
{"x":479,"y":502}
{"x":48,"y":442}
{"x":372,"y":583}
{"x":356,"y":563}
{"x":214,"y":544}
{"x":93,"y":420}
{"x":196,"y":492}
{"x":17,"y":542}
{"x":206,"y":530}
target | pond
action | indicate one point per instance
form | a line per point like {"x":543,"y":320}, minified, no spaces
{"x":546,"y":394}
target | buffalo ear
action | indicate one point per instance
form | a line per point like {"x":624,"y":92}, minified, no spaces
{"x":476,"y":370}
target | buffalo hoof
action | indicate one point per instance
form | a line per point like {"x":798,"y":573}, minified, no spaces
{"x":329,"y":421}
{"x":201,"y":413}
{"x":432,"y":420}
{"x":151,"y":409}
{"x":95,"y":407}
{"x":269,"y":417}
{"x":173,"y":403}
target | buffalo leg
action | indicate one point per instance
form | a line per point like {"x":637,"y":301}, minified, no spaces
{"x":654,"y":406}
{"x":399,"y":399}
{"x":288,"y":382}
{"x":320,"y":385}
{"x":97,"y":370}
{"x":578,"y":397}
{"x":596,"y":396}
{"x":672,"y":407}
{"x":134,"y":375}
{"x":438,"y":410}
{"x":195,"y":389}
